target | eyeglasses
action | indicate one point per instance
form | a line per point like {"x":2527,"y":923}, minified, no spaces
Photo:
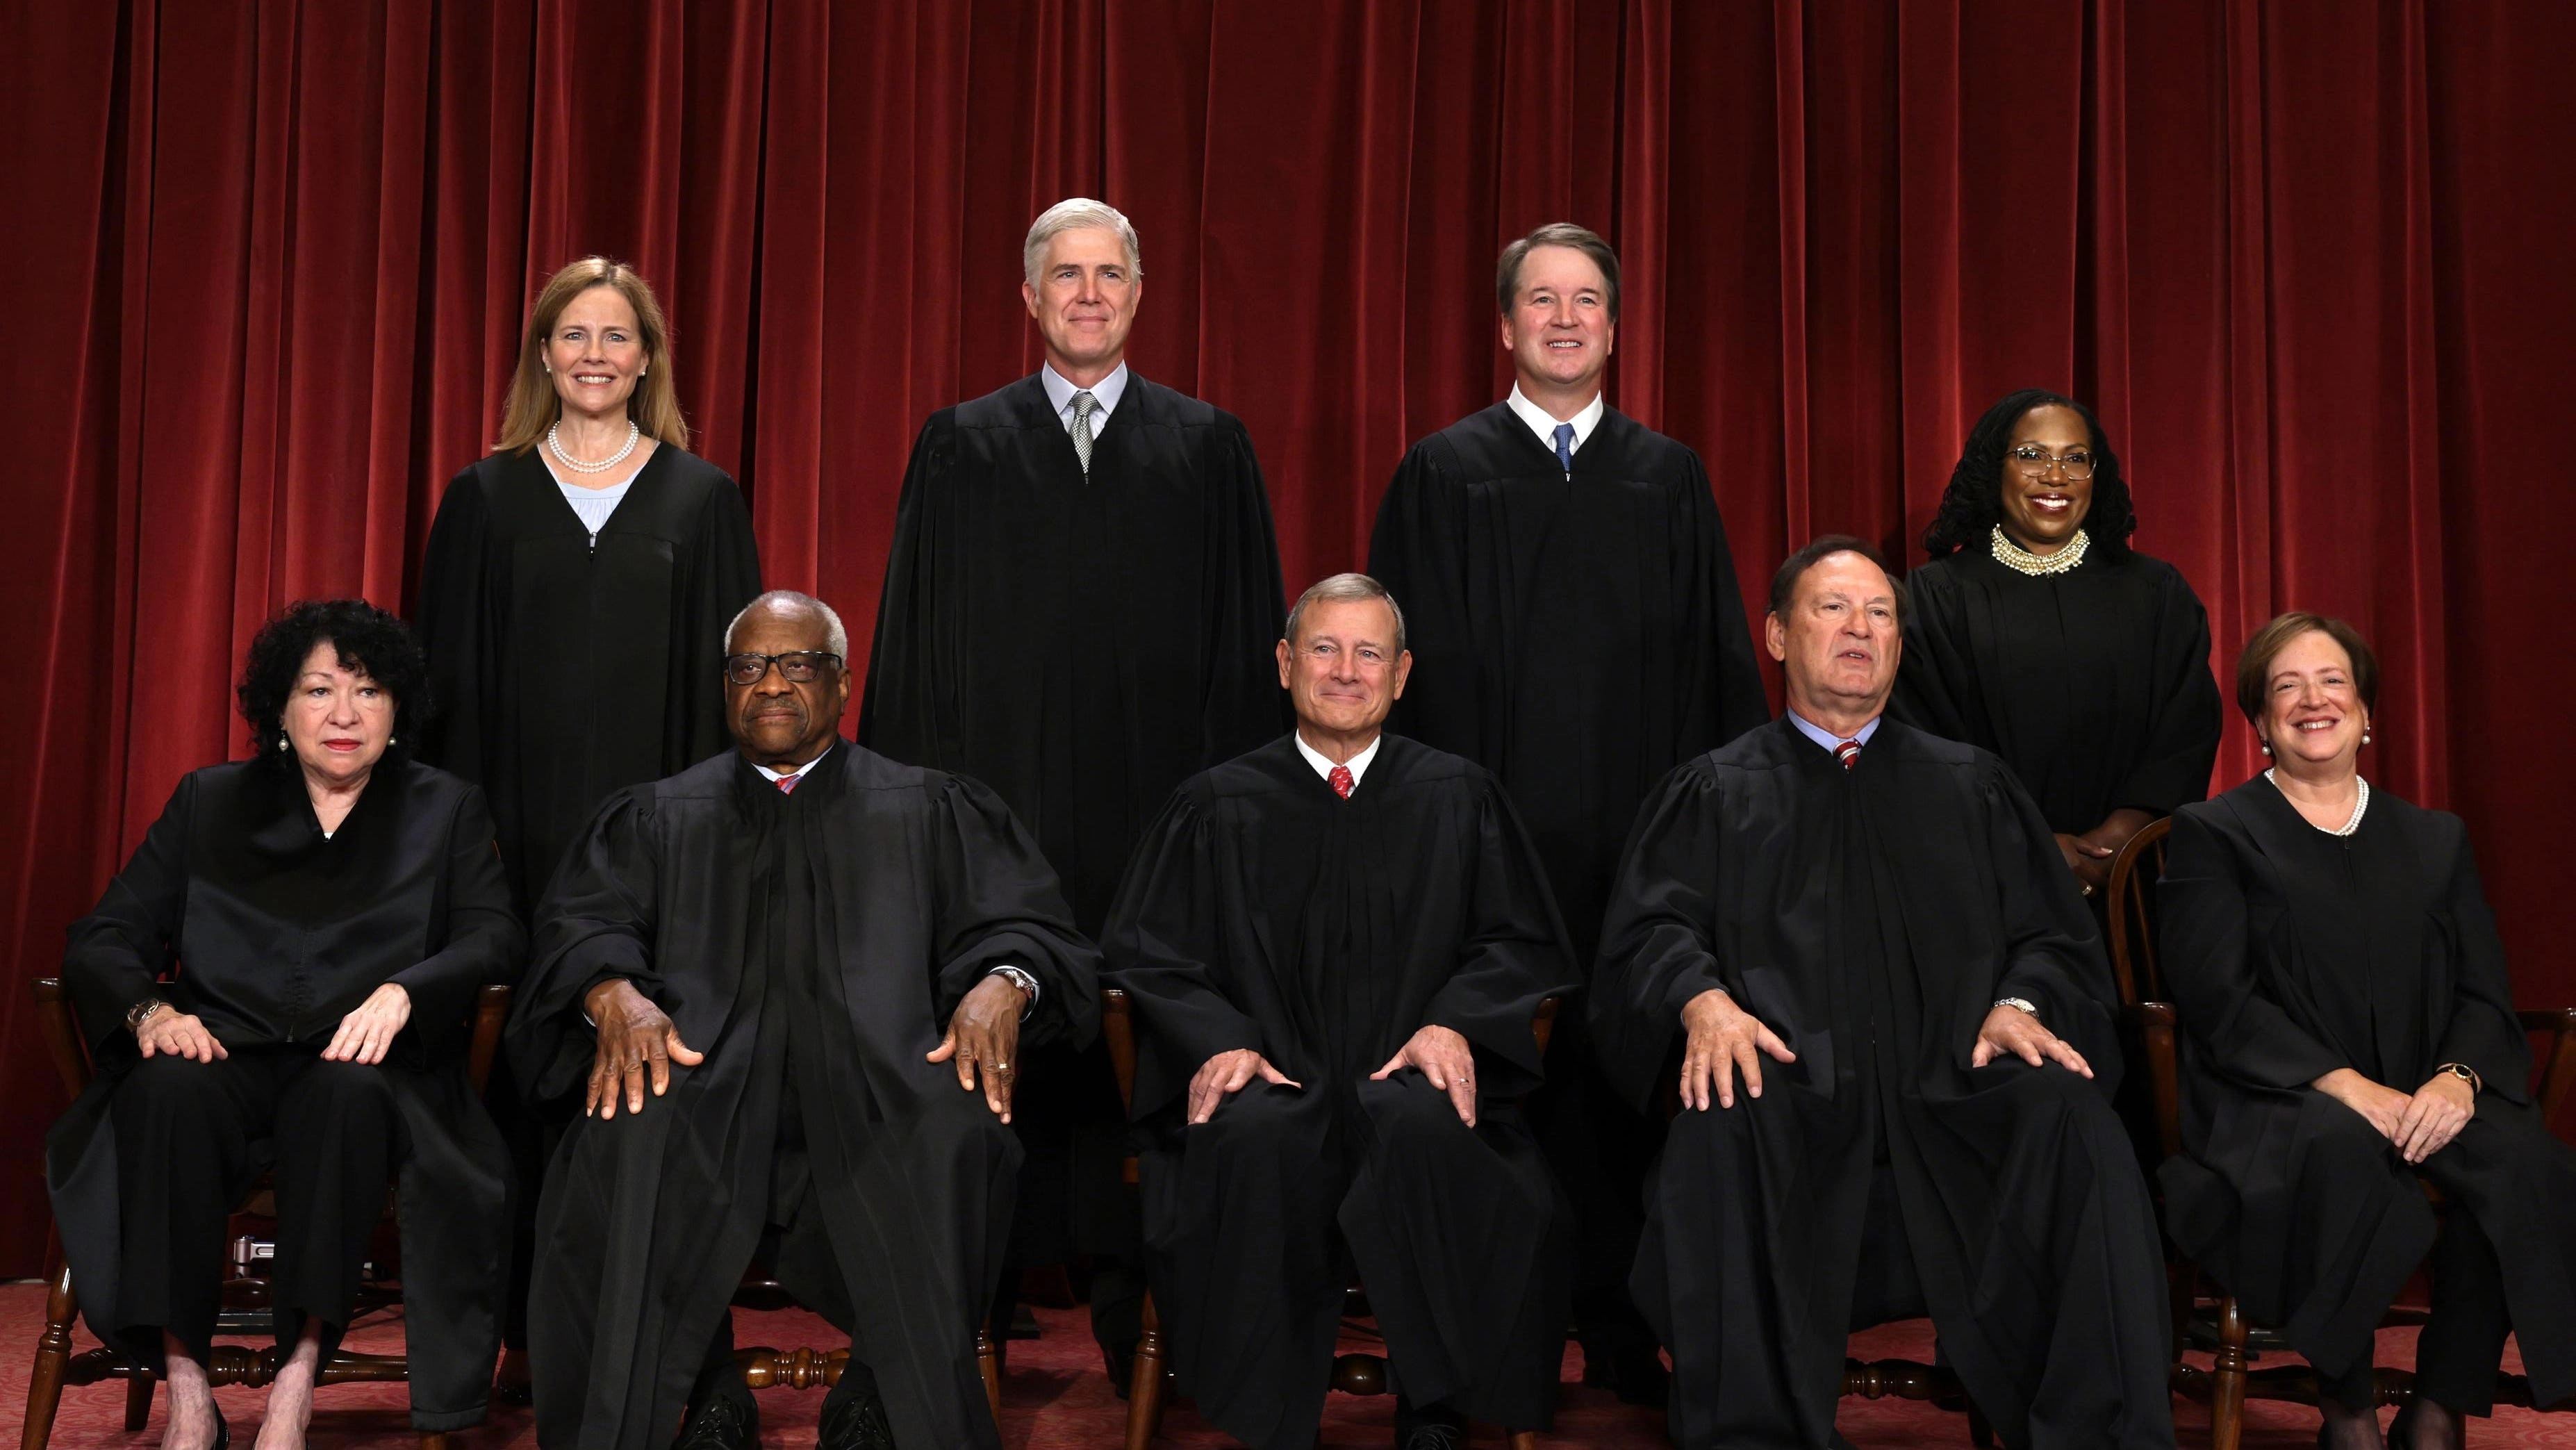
{"x":803,"y":667}
{"x":2034,"y":461}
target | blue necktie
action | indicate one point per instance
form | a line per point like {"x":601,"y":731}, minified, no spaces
{"x":1565,"y":447}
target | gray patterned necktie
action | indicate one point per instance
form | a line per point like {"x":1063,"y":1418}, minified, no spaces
{"x":1084,"y":405}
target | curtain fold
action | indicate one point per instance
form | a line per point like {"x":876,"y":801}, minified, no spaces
{"x":269,"y":261}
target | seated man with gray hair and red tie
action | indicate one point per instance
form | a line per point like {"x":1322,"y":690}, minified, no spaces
{"x":1335,"y":945}
{"x":1896,"y":1051}
{"x":788,"y":987}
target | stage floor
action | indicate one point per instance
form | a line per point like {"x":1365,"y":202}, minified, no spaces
{"x":1054,"y":1397}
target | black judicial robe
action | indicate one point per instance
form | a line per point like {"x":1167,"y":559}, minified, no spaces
{"x":1578,"y":638}
{"x":830,"y":933}
{"x":1265,"y":911}
{"x":277,"y":933}
{"x":2093,"y":685}
{"x":1081,"y":644}
{"x":2292,"y":952}
{"x":559,"y":670}
{"x":1871,"y":917}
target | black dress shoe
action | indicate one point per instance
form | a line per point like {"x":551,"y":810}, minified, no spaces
{"x":724,"y":1422}
{"x":855,"y":1420}
{"x":1627,"y":1367}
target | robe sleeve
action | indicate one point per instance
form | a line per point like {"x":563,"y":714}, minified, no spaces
{"x":2052,"y":953}
{"x":451,"y":618}
{"x":1417,"y":551}
{"x":1933,"y":683}
{"x":1727,"y":649}
{"x":481,"y":938}
{"x":2206,"y":942}
{"x":995,"y":901}
{"x":1243,"y":705}
{"x":597,"y":921}
{"x":2182,"y":741}
{"x":119,"y":951}
{"x":901,"y":713}
{"x":1165,"y":947}
{"x":1513,"y":955}
{"x":2483,"y":1031}
{"x":723,"y":575}
{"x":1658,"y":937}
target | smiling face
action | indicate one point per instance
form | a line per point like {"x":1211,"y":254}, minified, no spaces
{"x":338,"y":720}
{"x":595,"y":353}
{"x":1344,"y":673}
{"x":1839,"y":642}
{"x":777,"y":721}
{"x":1559,"y":331}
{"x":2042,"y":512}
{"x":1084,"y":301}
{"x":2312,"y":710}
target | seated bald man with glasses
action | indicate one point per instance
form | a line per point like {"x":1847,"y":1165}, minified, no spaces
{"x":787,"y":987}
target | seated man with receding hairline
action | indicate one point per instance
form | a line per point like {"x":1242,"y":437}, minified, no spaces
{"x":1336,"y":944}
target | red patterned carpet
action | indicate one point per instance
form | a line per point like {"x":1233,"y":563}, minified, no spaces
{"x":1055,"y":1398}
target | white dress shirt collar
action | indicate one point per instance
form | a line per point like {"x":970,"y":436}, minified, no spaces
{"x":1105,"y":392}
{"x":1826,"y":738}
{"x":1323,"y":763}
{"x":1545,"y":427}
{"x":778,"y":775}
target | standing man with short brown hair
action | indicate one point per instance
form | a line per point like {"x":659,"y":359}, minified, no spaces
{"x":1579,"y":632}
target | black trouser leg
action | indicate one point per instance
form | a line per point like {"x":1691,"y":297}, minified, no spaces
{"x":183,"y":1135}
{"x":2463,"y":1338}
{"x":337,"y":1132}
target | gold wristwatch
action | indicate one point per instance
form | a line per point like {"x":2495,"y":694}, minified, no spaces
{"x":2465,"y":1073}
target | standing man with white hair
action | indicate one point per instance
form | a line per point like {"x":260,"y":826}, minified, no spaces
{"x":1079,"y":612}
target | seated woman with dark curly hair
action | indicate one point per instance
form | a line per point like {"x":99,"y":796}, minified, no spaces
{"x":2349,"y":1029}
{"x":330,"y":909}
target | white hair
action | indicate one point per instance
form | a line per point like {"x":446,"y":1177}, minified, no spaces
{"x":1345,"y":589}
{"x":1073,"y":214}
{"x":835,"y":636}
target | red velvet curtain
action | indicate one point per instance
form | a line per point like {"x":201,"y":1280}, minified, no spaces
{"x":266,"y":264}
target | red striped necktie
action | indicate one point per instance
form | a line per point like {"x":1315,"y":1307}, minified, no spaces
{"x":1848,"y":753}
{"x":1342,"y":782}
{"x":787,"y":783}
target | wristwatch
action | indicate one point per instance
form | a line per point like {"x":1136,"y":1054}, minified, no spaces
{"x":2024,"y":1003}
{"x":2465,"y":1073}
{"x":141,"y":1012}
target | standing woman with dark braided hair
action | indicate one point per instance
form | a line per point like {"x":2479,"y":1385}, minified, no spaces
{"x":2037,"y":633}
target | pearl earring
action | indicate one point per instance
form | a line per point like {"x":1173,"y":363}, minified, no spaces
{"x":2365,"y":737}
{"x":281,"y":742}
{"x":2267,"y":747}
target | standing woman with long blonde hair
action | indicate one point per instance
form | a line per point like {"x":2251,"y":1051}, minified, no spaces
{"x":580,"y":577}
{"x":573,"y":606}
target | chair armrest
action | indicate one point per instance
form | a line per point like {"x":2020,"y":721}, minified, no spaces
{"x":491,"y":1009}
{"x":2558,"y":1069}
{"x":62,"y":1035}
{"x":1118,"y":1028}
{"x":2156,"y":1023}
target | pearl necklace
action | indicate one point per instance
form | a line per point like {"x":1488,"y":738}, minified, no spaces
{"x":2359,"y":805}
{"x":554,"y":445}
{"x":2014,"y":557}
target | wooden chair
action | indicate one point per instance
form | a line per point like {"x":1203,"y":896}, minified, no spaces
{"x":2206,"y":1311}
{"x":767,"y":1368}
{"x":230,"y":1364}
{"x":1352,"y":1374}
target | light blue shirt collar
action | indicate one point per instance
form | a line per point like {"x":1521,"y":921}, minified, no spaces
{"x":1826,"y":739}
{"x":1105,"y":392}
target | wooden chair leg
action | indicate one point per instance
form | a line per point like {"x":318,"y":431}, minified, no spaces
{"x":53,"y":1361}
{"x":1524,"y":1440}
{"x":2227,"y":1379}
{"x":138,"y":1402}
{"x":1145,"y":1386}
{"x":990,"y":1368}
{"x":433,"y":1440}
